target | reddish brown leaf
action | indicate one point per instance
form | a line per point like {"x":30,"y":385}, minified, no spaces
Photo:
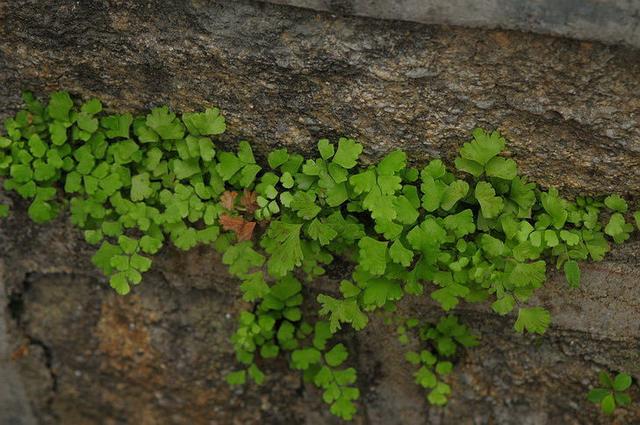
{"x":243,"y":229}
{"x":248,"y":200}
{"x":231,"y":223}
{"x":228,"y":199}
{"x":246,"y":233}
{"x":20,"y":352}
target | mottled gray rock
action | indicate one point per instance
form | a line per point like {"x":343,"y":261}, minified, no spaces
{"x":612,"y":21}
{"x":14,"y":405}
{"x":285,"y":77}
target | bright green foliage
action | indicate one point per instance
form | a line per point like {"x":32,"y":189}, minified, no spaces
{"x":534,"y":319}
{"x":282,"y":242}
{"x":134,"y":183}
{"x":618,"y":228}
{"x":616,"y":203}
{"x":572,"y":273}
{"x":612,"y":393}
{"x":439,"y":343}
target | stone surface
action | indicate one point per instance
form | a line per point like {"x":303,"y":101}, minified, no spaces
{"x":612,"y":21}
{"x":285,"y":77}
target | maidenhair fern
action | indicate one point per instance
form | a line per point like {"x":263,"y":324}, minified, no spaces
{"x":479,"y":232}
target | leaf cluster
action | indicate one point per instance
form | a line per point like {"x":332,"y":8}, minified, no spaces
{"x":613,"y":392}
{"x":479,"y":232}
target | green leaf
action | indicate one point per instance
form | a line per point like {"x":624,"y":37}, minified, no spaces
{"x":286,"y":288}
{"x":102,"y":257}
{"x":336,"y":356}
{"x":185,"y":169}
{"x":58,"y":133}
{"x":504,"y":305}
{"x":618,"y":228}
{"x":207,"y":150}
{"x":412,"y":357}
{"x":448,"y":297}
{"x":392,"y":163}
{"x":120,"y":283}
{"x":256,"y":374}
{"x":425,"y":378}
{"x":325,"y":148}
{"x":91,"y":107}
{"x":344,"y":408}
{"x":438,"y":397}
{"x":150,"y":245}
{"x":373,"y":255}
{"x":283,"y":244}
{"x":483,"y":148}
{"x":117,"y":125}
{"x":241,"y":258}
{"x":40,"y":211}
{"x":348,"y":152}
{"x":491,"y":246}
{"x":186,"y":239}
{"x":572,"y":273}
{"x":277,"y":158}
{"x":616,"y":203}
{"x":399,"y":254}
{"x":453,"y":193}
{"x":444,"y":368}
{"x":304,"y":205}
{"x":228,"y":165}
{"x":348,"y":289}
{"x":621,"y":382}
{"x":321,"y":232}
{"x":254,"y":288}
{"x":503,"y":168}
{"x":37,"y":147}
{"x":87,"y":123}
{"x":140,"y":187}
{"x":490,"y":204}
{"x":528,"y":274}
{"x":622,"y":399}
{"x":165,"y":123}
{"x":236,"y":378}
{"x":406,"y":212}
{"x":460,"y":224}
{"x":534,"y":319}
{"x":379,"y":291}
{"x":608,"y":404}
{"x":597,"y":394}
{"x":342,"y":311}
{"x":363,"y":182}
{"x":605,"y":379}
{"x":302,"y":359}
{"x":555,"y":207}
{"x":60,"y":104}
{"x":206,"y":123}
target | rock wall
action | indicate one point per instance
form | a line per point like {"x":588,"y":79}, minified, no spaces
{"x":286,"y":77}
{"x":611,"y":21}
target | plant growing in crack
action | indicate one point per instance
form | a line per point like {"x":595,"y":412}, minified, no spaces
{"x":478,"y":232}
{"x":613,"y":392}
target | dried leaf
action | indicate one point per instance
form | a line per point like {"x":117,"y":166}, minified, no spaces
{"x":231,"y":223}
{"x":242,"y":228}
{"x":248,"y":200}
{"x":228,"y":199}
{"x":20,"y":352}
{"x":246,"y":232}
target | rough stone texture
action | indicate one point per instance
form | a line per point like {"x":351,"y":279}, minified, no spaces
{"x":285,"y":77}
{"x":612,"y":21}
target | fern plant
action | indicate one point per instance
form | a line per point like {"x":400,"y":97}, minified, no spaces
{"x":478,"y":232}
